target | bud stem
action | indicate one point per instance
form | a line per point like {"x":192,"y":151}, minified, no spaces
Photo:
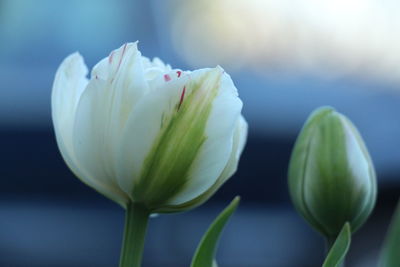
{"x":136,"y":220}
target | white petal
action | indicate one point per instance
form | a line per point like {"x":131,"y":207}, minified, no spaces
{"x":69,"y":83}
{"x":144,"y":126}
{"x":239,"y":141}
{"x":147,"y":119}
{"x":156,"y":63}
{"x":126,"y":85}
{"x":116,"y":85}
{"x":101,"y":69}
{"x":93,"y":147}
{"x":217,"y":148}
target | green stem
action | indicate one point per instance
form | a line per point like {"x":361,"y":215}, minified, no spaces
{"x":136,"y":220}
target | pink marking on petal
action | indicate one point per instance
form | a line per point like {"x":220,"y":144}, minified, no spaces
{"x":122,"y":55}
{"x":182,"y":97}
{"x":178,"y":72}
{"x":110,"y":57}
{"x":167,"y":78}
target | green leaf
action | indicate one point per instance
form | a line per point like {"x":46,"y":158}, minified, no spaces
{"x":390,"y":256}
{"x":339,"y":249}
{"x":205,"y":252}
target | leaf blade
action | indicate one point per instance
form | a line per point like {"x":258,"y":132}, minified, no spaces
{"x":205,"y":252}
{"x":340,"y":248}
{"x":391,"y":247}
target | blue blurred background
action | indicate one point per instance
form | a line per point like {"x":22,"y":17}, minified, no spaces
{"x":286,"y":59}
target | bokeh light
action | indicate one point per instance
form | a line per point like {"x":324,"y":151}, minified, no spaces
{"x":332,"y":38}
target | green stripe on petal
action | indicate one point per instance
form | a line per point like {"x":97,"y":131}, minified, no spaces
{"x":182,"y":134}
{"x":239,"y":140}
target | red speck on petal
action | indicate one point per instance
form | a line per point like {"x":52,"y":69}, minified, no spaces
{"x":167,"y":78}
{"x":178,"y":72}
{"x":182,"y":97}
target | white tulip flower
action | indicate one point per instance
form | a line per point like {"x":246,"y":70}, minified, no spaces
{"x":139,"y":131}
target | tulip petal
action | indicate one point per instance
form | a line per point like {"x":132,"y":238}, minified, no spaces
{"x":126,"y":85}
{"x":91,"y":139}
{"x":203,"y":104}
{"x":116,"y":85}
{"x":101,"y":69}
{"x":69,"y":84}
{"x":215,"y":153}
{"x":211,"y":120}
{"x":154,"y":68}
{"x":143,"y":126}
{"x":239,"y":141}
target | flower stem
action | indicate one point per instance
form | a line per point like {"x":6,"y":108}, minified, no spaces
{"x":136,"y":220}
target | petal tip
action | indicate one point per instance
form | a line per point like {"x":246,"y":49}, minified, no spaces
{"x":72,"y":63}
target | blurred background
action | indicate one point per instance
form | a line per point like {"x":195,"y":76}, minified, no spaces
{"x":286,"y":58}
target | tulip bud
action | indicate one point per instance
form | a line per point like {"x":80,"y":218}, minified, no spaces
{"x":141,"y":132}
{"x":331,"y":176}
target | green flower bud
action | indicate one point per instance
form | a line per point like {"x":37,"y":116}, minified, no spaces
{"x":331,"y":176}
